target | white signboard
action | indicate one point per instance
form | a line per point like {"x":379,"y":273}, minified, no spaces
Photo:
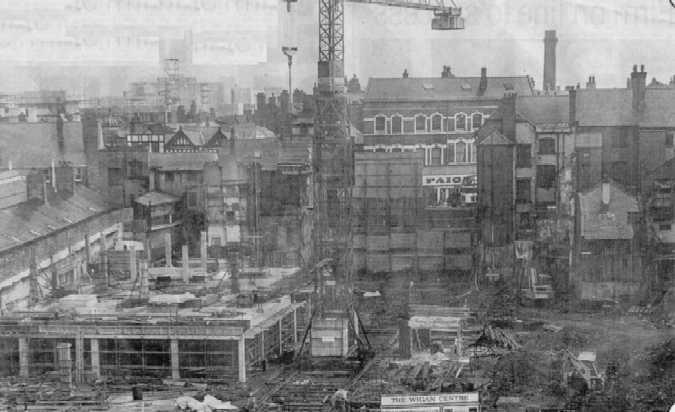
{"x":428,"y":400}
{"x":449,"y":180}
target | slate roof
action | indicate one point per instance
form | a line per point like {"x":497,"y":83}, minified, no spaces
{"x":155,"y":199}
{"x":217,"y":139}
{"x":541,"y":110}
{"x":438,"y":88}
{"x":34,"y":145}
{"x":180,"y":161}
{"x":32,"y":219}
{"x":612,"y":224}
{"x":614,"y":107}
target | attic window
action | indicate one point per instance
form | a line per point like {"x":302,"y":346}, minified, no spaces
{"x":428,"y":86}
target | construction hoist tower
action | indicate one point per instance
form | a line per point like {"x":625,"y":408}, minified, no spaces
{"x":332,"y":145}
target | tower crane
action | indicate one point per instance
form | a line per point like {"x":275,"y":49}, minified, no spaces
{"x":333,"y":173}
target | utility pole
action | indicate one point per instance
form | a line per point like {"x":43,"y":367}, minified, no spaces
{"x":290,"y":52}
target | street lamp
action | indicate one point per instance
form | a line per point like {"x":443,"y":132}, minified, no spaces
{"x":289,"y":52}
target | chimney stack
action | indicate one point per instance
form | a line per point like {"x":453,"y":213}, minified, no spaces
{"x":550,"y":43}
{"x":606,"y":195}
{"x":638,"y":84}
{"x":509,"y":114}
{"x":591,"y":82}
{"x":405,"y":73}
{"x":482,"y":87}
{"x":99,"y":135}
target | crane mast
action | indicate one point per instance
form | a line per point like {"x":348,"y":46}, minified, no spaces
{"x":332,"y":154}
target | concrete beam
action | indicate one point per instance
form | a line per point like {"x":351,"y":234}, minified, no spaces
{"x":24,"y":356}
{"x":95,"y":359}
{"x":175,"y":360}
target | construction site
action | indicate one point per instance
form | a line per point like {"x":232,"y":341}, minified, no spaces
{"x":402,"y":304}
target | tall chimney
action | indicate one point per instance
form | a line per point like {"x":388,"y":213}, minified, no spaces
{"x":550,"y":43}
{"x":606,"y":195}
{"x":99,"y":135}
{"x":405,"y":73}
{"x":59,"y":132}
{"x":482,"y":87}
{"x":590,"y":84}
{"x":53,"y":177}
{"x":638,"y":84}
{"x":509,"y":114}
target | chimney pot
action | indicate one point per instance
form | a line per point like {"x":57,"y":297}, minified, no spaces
{"x":642,"y":68}
{"x":635,"y":68}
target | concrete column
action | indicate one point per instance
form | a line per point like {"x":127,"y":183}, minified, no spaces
{"x":241,"y":359}
{"x":263,"y":352}
{"x":95,"y":360}
{"x":148,"y":249}
{"x":87,"y":252}
{"x":295,"y":326}
{"x":202,"y":250}
{"x":24,"y":356}
{"x":167,"y":249}
{"x":79,"y":360}
{"x":281,"y":337}
{"x":345,"y":337}
{"x":175,"y":363}
{"x":186,"y":264}
{"x":133,"y":269}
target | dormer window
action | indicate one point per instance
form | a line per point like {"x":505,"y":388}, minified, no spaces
{"x":396,"y":124}
{"x":460,"y":121}
{"x":436,"y":123}
{"x":380,"y":124}
{"x":420,"y":123}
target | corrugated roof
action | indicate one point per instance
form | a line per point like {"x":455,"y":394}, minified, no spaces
{"x":32,"y":219}
{"x":156,"y":198}
{"x":612,"y":223}
{"x":34,"y":145}
{"x":438,"y":88}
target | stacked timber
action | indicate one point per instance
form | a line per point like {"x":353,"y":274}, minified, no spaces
{"x":502,"y":338}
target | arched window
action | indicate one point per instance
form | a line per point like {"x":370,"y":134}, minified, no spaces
{"x":476,"y":120}
{"x":460,"y":121}
{"x":460,"y":152}
{"x":396,"y":124}
{"x":380,"y":124}
{"x":420,"y":123}
{"x":436,"y":123}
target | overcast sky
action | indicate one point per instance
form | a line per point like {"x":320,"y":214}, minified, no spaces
{"x":100,"y":45}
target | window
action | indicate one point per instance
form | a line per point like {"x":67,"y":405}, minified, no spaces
{"x":524,"y":155}
{"x":460,"y":152}
{"x":523,"y":191}
{"x":436,"y":122}
{"x":450,"y":153}
{"x":215,"y":241}
{"x":436,"y":156}
{"x":619,"y":171}
{"x":229,"y":215}
{"x":380,"y":124}
{"x":546,"y":177}
{"x":476,"y":120}
{"x":669,"y":139}
{"x":77,"y":174}
{"x":420,"y":123}
{"x":396,"y":124}
{"x":450,"y":127}
{"x":114,"y":176}
{"x":192,"y":199}
{"x":621,"y":138}
{"x":135,"y":168}
{"x":193,"y":177}
{"x":460,"y":121}
{"x":546,"y":146}
{"x":664,"y":227}
{"x":471,"y":156}
{"x":169,"y":177}
{"x":396,"y":150}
